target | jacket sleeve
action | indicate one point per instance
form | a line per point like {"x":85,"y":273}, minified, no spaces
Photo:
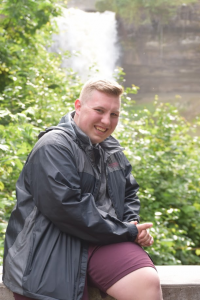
{"x":55,"y":186}
{"x":131,"y":201}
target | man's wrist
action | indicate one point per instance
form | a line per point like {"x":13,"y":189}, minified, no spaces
{"x":133,"y":231}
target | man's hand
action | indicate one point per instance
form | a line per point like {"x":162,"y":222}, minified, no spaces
{"x":144,"y":238}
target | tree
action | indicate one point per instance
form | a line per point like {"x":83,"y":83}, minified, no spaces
{"x":34,"y":91}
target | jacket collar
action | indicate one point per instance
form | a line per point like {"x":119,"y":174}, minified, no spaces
{"x":110,"y":145}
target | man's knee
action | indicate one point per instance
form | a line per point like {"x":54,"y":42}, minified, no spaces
{"x":138,"y":285}
{"x":151,"y":276}
{"x":150,"y":283}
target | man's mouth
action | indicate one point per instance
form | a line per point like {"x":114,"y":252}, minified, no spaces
{"x":100,"y":129}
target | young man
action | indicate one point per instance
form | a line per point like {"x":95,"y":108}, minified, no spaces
{"x":76,"y":219}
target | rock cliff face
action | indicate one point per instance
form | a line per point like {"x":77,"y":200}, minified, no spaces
{"x":87,"y":5}
{"x":167,"y":63}
{"x":159,"y":63}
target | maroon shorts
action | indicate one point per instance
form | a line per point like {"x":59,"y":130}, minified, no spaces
{"x":108,"y":264}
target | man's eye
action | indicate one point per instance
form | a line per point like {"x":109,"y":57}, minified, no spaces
{"x":114,"y":115}
{"x":99,"y":110}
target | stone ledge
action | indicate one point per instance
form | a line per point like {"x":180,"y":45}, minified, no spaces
{"x":178,"y":283}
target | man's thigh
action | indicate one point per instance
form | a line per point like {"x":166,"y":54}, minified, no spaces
{"x":108,"y":264}
{"x":21,"y":297}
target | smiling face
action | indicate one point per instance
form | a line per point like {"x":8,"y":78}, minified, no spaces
{"x":98,"y":115}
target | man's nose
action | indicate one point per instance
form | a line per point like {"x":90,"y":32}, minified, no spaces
{"x":105,"y":119}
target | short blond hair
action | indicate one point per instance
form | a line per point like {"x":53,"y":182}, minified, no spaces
{"x":106,"y":86}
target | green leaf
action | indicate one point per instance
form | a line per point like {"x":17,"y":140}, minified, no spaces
{"x":197,"y":251}
{"x":1,"y":186}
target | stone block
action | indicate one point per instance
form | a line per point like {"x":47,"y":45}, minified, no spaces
{"x":178,"y":283}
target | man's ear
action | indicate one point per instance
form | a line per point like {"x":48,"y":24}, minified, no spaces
{"x":77,"y":106}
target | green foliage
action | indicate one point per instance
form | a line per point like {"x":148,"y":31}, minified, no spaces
{"x":140,"y":10}
{"x":20,"y":21}
{"x":34,"y":91}
{"x":166,"y":163}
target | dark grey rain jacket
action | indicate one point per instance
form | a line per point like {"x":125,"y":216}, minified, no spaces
{"x":55,"y":217}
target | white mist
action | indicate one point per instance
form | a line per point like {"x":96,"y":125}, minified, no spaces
{"x":92,"y":40}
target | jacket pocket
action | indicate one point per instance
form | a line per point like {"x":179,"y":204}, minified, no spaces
{"x":29,"y":259}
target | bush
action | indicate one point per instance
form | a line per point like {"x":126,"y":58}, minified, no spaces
{"x":166,"y":163}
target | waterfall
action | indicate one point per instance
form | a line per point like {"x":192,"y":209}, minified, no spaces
{"x":91,"y":37}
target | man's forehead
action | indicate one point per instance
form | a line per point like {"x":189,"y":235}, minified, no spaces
{"x":102,"y":105}
{"x":100,"y":97}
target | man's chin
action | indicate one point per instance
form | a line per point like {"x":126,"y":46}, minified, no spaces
{"x":97,"y":140}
